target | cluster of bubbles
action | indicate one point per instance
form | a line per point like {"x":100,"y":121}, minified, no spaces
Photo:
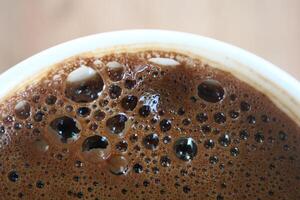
{"x":158,"y":124}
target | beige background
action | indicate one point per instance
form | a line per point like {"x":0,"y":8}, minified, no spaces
{"x":268,"y":28}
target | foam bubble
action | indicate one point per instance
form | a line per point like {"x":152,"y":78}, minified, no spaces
{"x":96,"y":148}
{"x":22,"y":109}
{"x":211,"y":91}
{"x":115,"y":70}
{"x":185,"y":148}
{"x":66,"y":128}
{"x":116,"y":124}
{"x":83,"y":85}
{"x":164,"y":61}
{"x":118,"y":165}
{"x":82,"y":73}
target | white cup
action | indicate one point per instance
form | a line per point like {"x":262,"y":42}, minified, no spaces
{"x":279,"y":86}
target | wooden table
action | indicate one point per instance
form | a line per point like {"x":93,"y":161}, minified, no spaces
{"x":268,"y":28}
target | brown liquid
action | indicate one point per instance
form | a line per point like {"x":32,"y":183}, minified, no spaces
{"x":139,"y":130}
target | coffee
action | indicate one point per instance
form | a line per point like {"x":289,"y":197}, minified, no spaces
{"x":145,"y":125}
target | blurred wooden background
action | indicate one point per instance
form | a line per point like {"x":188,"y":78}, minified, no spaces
{"x":268,"y":28}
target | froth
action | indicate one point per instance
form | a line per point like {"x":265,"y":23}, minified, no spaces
{"x":80,"y":74}
{"x":146,"y":125}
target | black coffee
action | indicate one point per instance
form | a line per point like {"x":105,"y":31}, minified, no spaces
{"x":135,"y":126}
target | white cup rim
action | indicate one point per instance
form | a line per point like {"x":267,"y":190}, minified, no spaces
{"x":282,"y":88}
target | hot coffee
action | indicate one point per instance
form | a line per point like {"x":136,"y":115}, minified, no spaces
{"x":145,"y":125}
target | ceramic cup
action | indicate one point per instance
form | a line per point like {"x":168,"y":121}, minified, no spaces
{"x":279,"y":86}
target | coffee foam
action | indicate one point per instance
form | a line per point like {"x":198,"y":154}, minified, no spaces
{"x":174,"y":142}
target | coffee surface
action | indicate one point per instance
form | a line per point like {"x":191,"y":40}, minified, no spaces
{"x":146,"y":125}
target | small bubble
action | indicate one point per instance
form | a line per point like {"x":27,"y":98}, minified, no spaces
{"x":223,"y":185}
{"x":209,"y":144}
{"x":167,"y":139}
{"x":180,"y":111}
{"x":51,"y":99}
{"x":103,"y":102}
{"x":165,"y":161}
{"x":185,"y":148}
{"x":76,"y":178}
{"x":66,"y":128}
{"x":186,"y":189}
{"x":20,"y":195}
{"x":38,"y":117}
{"x":265,"y":118}
{"x":146,"y":183}
{"x":124,"y":191}
{"x":224,"y":140}
{"x":17,"y":126}
{"x":259,"y":137}
{"x":234,"y":151}
{"x":205,"y":129}
{"x":220,"y":197}
{"x":282,"y":135}
{"x":219,"y":118}
{"x":36,"y":132}
{"x":161,"y":113}
{"x":251,"y":119}
{"x":271,"y":193}
{"x":151,"y":141}
{"x":122,"y":146}
{"x":99,"y":115}
{"x":40,"y":184}
{"x":69,"y":108}
{"x":13,"y":176}
{"x":232,"y":97}
{"x":245,"y":106}
{"x":234,"y":114}
{"x":78,"y":164}
{"x":186,"y":122}
{"x":193,"y":99}
{"x":129,"y":84}
{"x":154,"y":120}
{"x":59,"y":156}
{"x":70,"y":193}
{"x":116,"y":124}
{"x":286,"y":147}
{"x":183,"y":172}
{"x":79,"y":195}
{"x":83,"y":111}
{"x":165,"y":125}
{"x":22,"y":109}
{"x":145,"y":110}
{"x":93,"y":126}
{"x":2,"y":130}
{"x":201,"y":117}
{"x":162,"y":192}
{"x":28,"y":125}
{"x":118,"y":165}
{"x":137,"y":168}
{"x":114,"y":91}
{"x":244,"y":135}
{"x":213,"y":160}
{"x":129,"y":102}
{"x":222,"y":167}
{"x":8,"y":119}
{"x":133,"y":138}
{"x":211,"y":91}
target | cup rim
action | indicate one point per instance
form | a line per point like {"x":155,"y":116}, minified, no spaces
{"x":280,"y":87}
